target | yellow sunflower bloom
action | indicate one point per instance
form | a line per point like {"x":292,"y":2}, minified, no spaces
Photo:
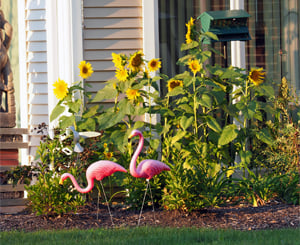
{"x":117,"y":60}
{"x":256,"y":76}
{"x":108,"y":155}
{"x":132,"y":94}
{"x":188,"y":38}
{"x":188,"y":35}
{"x":136,"y":62}
{"x":86,"y":69}
{"x":194,"y":66}
{"x":154,"y":65}
{"x":60,"y":89}
{"x":173,"y":84}
{"x":122,"y":74}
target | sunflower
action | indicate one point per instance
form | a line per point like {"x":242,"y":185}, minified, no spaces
{"x":173,"y":84}
{"x":60,"y":89}
{"x":86,"y":69}
{"x":136,"y":61}
{"x":117,"y":60}
{"x":132,"y":94}
{"x":188,"y":35}
{"x":194,"y":66}
{"x":154,"y":65}
{"x":256,"y":76}
{"x":121,"y":74}
{"x":108,"y":155}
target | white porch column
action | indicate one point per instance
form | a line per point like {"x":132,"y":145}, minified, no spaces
{"x":52,"y":54}
{"x":238,"y":52}
{"x":22,"y":77}
{"x":64,"y":45}
{"x":151,"y":38}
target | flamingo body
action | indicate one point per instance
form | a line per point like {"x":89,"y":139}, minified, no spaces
{"x":147,"y":168}
{"x":97,"y":170}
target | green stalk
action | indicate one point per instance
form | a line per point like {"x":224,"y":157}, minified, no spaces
{"x":245,"y":119}
{"x":116,"y":101}
{"x":149,"y":102}
{"x":195,"y":107}
{"x":245,"y":123}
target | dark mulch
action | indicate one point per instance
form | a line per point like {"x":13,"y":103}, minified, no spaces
{"x":270,"y":216}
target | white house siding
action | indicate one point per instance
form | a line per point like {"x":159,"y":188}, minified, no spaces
{"x":110,"y":26}
{"x":36,"y":69}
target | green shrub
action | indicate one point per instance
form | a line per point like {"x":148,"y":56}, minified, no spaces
{"x":288,"y":188}
{"x":48,"y":197}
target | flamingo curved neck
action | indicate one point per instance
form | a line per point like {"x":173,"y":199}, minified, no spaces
{"x":138,"y":150}
{"x":78,"y":188}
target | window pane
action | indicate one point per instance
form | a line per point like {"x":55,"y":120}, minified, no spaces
{"x":173,"y":15}
{"x":274,"y":29}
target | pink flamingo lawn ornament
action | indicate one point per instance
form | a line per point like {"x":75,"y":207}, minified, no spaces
{"x":146,"y":169}
{"x":97,"y":170}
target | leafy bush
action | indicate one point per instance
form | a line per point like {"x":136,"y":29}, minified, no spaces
{"x":192,"y":186}
{"x":288,"y":188}
{"x":46,"y":196}
{"x":283,"y":155}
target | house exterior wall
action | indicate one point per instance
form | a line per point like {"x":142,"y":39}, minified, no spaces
{"x":109,"y":26}
{"x":36,"y":103}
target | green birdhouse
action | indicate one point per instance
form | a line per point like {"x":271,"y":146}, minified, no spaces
{"x":228,"y":25}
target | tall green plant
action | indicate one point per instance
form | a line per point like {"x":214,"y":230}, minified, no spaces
{"x":133,"y":91}
{"x":209,"y":116}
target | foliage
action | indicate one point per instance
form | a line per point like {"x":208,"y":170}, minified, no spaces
{"x":195,"y":186}
{"x":256,"y":189}
{"x":19,"y":175}
{"x":288,"y":188}
{"x":46,"y":196}
{"x":208,"y":119}
{"x":283,"y":155}
{"x":140,"y":90}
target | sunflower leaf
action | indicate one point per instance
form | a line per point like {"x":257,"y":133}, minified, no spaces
{"x":58,"y":109}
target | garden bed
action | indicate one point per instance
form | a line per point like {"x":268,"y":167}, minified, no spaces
{"x":271,"y":216}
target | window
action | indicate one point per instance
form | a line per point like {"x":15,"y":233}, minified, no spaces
{"x":173,"y":15}
{"x":273,"y":26}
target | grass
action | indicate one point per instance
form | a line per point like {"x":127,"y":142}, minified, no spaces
{"x":149,"y":235}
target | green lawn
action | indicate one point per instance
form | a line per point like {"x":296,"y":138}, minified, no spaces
{"x":149,"y":235}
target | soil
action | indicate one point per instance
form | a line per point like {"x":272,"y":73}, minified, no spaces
{"x":269,"y":216}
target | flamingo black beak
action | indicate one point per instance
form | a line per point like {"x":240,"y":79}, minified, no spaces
{"x":130,"y":136}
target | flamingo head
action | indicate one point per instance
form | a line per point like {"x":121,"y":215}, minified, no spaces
{"x":63,"y":178}
{"x":135,"y":132}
